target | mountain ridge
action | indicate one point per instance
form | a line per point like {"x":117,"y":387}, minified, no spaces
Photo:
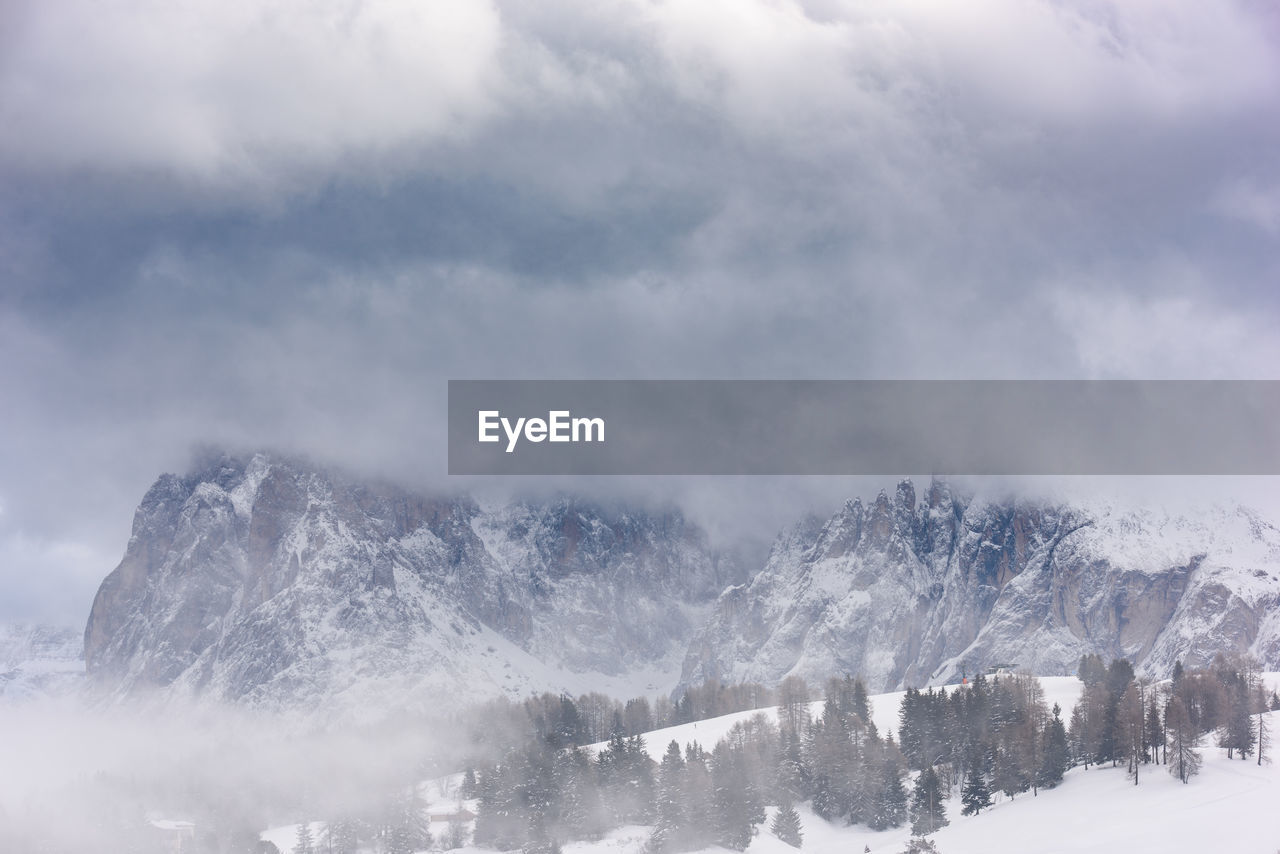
{"x":269,"y":581}
{"x":911,"y":595}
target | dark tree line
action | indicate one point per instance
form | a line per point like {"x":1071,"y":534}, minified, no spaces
{"x":546,"y":789}
{"x":986,"y":736}
{"x":540,"y":795}
{"x":1124,"y":720}
{"x":845,"y":767}
{"x":397,"y":824}
{"x":563,"y":721}
{"x":991,"y":735}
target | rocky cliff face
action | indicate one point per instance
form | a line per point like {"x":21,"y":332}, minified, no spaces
{"x":266,"y":581}
{"x":273,"y":583}
{"x":908,"y":592}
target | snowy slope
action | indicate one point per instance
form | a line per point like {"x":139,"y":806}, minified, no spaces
{"x":1230,"y":806}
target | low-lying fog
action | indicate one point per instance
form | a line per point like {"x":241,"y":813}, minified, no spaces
{"x":78,"y":777}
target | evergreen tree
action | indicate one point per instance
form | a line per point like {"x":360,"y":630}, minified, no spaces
{"x":860,"y":789}
{"x":1009,"y":768}
{"x":1054,"y":757}
{"x":889,"y":797}
{"x":916,"y":845}
{"x":975,"y":796}
{"x":736,"y":807}
{"x":626,"y":775}
{"x":1093,"y":669}
{"x":1094,"y":719}
{"x":1079,"y":736}
{"x":927,"y":810}
{"x":792,"y":777}
{"x":637,"y":716}
{"x":786,"y":825}
{"x":825,"y":803}
{"x":455,"y":836}
{"x":641,"y":779}
{"x":397,"y":840}
{"x":579,"y":810}
{"x":404,"y":821}
{"x":305,"y":842}
{"x":699,"y":798}
{"x":859,"y":703}
{"x":499,"y":817}
{"x":911,"y":728}
{"x":1112,"y":742}
{"x":669,"y":815}
{"x":342,"y":836}
{"x":469,"y":788}
{"x":832,"y":757}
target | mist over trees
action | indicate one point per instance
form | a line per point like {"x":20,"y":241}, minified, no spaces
{"x":538,"y":785}
{"x":990,"y":735}
{"x":212,"y":776}
{"x":552,"y":769}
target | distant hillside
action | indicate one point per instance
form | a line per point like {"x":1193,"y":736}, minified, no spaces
{"x":39,"y":661}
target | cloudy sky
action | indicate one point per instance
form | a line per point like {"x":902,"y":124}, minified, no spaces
{"x":286,"y":224}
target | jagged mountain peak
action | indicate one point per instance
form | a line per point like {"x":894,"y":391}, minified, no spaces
{"x":907,"y":593}
{"x":274,"y":581}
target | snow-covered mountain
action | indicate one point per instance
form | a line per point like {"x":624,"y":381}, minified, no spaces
{"x":268,"y":581}
{"x":39,"y":661}
{"x":908,"y":593}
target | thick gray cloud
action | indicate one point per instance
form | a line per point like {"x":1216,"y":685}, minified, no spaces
{"x":287,"y":224}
